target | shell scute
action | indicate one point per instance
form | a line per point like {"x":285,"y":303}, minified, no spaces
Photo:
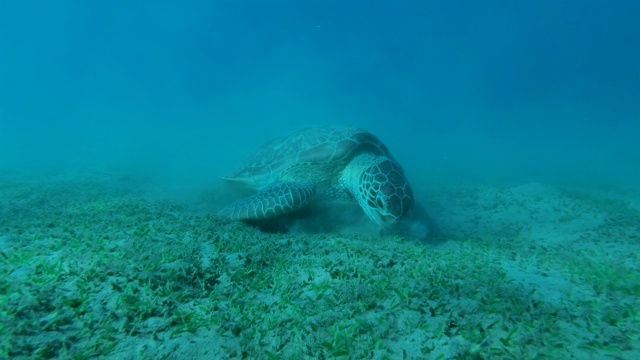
{"x":321,"y":145}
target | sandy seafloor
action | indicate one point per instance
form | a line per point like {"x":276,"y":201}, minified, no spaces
{"x":95,"y":266}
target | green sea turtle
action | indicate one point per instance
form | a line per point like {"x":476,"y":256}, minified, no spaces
{"x":322,"y":162}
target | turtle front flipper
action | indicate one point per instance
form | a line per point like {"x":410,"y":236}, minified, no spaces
{"x":274,"y":200}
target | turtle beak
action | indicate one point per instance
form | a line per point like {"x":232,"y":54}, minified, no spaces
{"x":380,"y":216}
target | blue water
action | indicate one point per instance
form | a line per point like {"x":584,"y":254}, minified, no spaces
{"x":516,"y":122}
{"x":460,"y":91}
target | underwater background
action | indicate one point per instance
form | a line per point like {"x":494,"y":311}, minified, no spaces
{"x":458,"y":90}
{"x":516,"y":122}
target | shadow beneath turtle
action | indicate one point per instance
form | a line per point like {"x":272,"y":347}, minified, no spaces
{"x":346,"y":218}
{"x":311,"y":220}
{"x":276,"y":225}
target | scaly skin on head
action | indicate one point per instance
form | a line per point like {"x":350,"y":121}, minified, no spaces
{"x":379,"y":185}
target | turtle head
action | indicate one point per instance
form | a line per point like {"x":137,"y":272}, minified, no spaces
{"x":384,"y":192}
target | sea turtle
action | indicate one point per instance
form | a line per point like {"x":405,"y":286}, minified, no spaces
{"x":322,"y":162}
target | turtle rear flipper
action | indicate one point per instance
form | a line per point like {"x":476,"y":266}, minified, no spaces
{"x":274,"y":200}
